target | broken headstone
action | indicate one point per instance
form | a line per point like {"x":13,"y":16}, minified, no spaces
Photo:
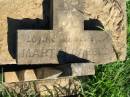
{"x":68,"y":40}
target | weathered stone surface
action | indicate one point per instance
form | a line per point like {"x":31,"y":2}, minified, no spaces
{"x":18,"y":74}
{"x":61,"y":87}
{"x":10,"y":77}
{"x":23,"y":74}
{"x":82,"y":69}
{"x":48,"y":73}
{"x":67,"y":36}
{"x":27,"y":75}
{"x":17,"y":10}
{"x":110,"y":12}
{"x":77,"y":69}
{"x":41,"y":47}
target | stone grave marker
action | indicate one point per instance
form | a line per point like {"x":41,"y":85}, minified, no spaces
{"x":111,"y":13}
{"x":68,"y":42}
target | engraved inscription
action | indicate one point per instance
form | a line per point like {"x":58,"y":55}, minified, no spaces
{"x":51,"y":52}
{"x":46,"y":46}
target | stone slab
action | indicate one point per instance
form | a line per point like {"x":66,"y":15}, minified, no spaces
{"x":83,"y":69}
{"x":41,"y":47}
{"x":68,"y":41}
{"x":77,"y":69}
{"x":46,"y":72}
